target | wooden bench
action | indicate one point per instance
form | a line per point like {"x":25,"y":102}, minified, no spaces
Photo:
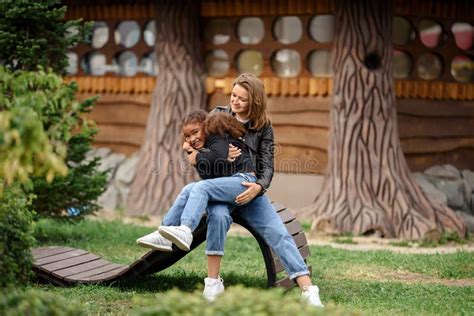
{"x":66,"y":266}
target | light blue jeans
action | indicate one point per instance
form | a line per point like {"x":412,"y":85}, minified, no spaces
{"x":263,"y":218}
{"x":192,"y":201}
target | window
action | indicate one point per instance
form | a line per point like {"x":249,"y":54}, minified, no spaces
{"x":401,"y":64}
{"x":218,"y":31}
{"x":462,"y":68}
{"x":217,"y":63}
{"x":250,"y":30}
{"x":320,"y":63}
{"x":288,"y":29}
{"x":430,"y":33}
{"x":402,"y":32}
{"x":429,"y":66}
{"x":250,"y":61}
{"x":127,"y":33}
{"x":321,"y":28}
{"x":286,"y":63}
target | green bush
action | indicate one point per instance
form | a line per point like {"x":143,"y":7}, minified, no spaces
{"x":16,"y":237}
{"x":37,"y":303}
{"x":76,"y":192}
{"x":235,"y":301}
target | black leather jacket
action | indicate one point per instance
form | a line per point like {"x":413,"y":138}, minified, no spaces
{"x":261,"y":145}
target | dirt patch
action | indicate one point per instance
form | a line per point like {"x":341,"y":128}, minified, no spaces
{"x":384,"y":244}
{"x":381,"y":274}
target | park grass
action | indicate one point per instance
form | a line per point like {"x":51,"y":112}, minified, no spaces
{"x":370,"y":283}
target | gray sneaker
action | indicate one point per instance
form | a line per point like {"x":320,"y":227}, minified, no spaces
{"x":181,"y":236}
{"x":213,"y":288}
{"x":155,"y":241}
{"x":310,"y":295}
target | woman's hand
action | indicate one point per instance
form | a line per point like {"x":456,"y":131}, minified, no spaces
{"x":234,"y":152}
{"x":253,"y":189}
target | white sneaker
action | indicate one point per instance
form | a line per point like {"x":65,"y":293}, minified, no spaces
{"x":155,"y":241}
{"x":310,"y":295}
{"x":181,"y":236}
{"x":213,"y":288}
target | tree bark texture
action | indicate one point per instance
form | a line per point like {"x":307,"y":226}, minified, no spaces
{"x":163,"y":169}
{"x":368,"y":187}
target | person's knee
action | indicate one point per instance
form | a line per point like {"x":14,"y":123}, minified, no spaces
{"x":188,"y":187}
{"x":219,"y":219}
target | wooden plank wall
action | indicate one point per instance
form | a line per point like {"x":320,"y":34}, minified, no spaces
{"x":431,"y":131}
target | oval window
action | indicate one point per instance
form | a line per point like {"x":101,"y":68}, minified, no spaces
{"x":463,"y":35}
{"x":402,"y":31}
{"x":430,"y":33}
{"x":94,"y":64}
{"x":149,"y":34}
{"x":320,"y":63}
{"x":462,"y":68}
{"x":250,"y":30}
{"x":217,"y":63}
{"x":127,"y":33}
{"x":288,"y":29}
{"x":250,"y":61}
{"x":286,"y":63}
{"x":401,"y":64}
{"x":321,"y":28}
{"x":429,"y":66}
{"x":218,"y":31}
{"x":127,"y":63}
{"x":100,"y":34}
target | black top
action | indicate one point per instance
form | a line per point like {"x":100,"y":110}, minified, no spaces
{"x":211,"y":161}
{"x":261,"y":146}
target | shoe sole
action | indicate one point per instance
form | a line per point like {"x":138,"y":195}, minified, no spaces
{"x":154,"y":247}
{"x":175,"y":240}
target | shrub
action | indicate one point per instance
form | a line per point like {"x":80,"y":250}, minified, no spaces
{"x":37,"y":303}
{"x":235,"y":301}
{"x":16,"y":237}
{"x":75,"y":195}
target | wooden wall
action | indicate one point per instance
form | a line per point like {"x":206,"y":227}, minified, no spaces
{"x":431,"y":131}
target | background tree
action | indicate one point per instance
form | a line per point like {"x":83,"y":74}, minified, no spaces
{"x":368,"y":187}
{"x":34,"y":34}
{"x":162,"y":170}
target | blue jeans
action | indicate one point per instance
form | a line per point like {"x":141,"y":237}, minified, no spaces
{"x":192,"y":201}
{"x":263,"y":218}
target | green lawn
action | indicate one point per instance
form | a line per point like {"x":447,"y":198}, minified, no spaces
{"x":377,"y":282}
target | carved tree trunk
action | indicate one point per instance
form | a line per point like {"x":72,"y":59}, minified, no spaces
{"x":162,"y":170}
{"x":368,"y":187}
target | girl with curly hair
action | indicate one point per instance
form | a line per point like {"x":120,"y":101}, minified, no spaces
{"x":206,"y":141}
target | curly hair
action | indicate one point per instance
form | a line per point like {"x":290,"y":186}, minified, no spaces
{"x":220,"y":123}
{"x":216,"y":123}
{"x":198,"y":116}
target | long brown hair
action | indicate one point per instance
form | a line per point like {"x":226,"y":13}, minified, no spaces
{"x":257,"y":99}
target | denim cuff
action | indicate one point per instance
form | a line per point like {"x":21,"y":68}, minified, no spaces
{"x":214,"y":253}
{"x":189,"y":224}
{"x":298,"y":274}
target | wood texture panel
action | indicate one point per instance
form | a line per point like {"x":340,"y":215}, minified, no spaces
{"x":302,"y":136}
{"x":433,"y":145}
{"x":416,"y":126}
{"x":120,"y":134}
{"x":303,"y":118}
{"x":295,"y":159}
{"x":110,"y":113}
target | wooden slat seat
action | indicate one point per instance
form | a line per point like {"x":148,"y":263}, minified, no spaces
{"x":66,"y":266}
